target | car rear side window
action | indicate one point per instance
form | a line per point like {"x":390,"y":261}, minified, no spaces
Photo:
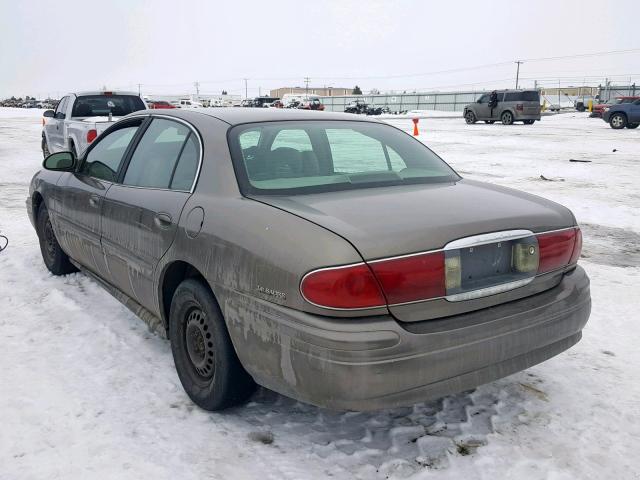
{"x":187,"y":166}
{"x":155,"y":158}
{"x":104,"y":159}
{"x":531,"y":96}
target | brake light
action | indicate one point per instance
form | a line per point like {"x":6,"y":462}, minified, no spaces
{"x":108,"y":94}
{"x":559,"y":249}
{"x":411,"y":278}
{"x":91,"y":135}
{"x":351,"y":286}
{"x":520,"y":107}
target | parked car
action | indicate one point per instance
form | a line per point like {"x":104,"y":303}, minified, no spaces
{"x":160,"y":104}
{"x":186,"y":103}
{"x":328,"y":257}
{"x":598,"y":110}
{"x":80,"y":117}
{"x":513,"y":106}
{"x":312,"y":103}
{"x":260,"y":102}
{"x":622,"y":115}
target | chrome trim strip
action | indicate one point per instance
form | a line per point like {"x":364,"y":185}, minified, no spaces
{"x":487,"y":238}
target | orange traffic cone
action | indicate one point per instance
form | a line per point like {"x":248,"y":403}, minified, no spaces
{"x":415,"y":127}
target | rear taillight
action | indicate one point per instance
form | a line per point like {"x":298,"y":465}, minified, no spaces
{"x":559,"y":249}
{"x":411,"y":278}
{"x":519,"y":107}
{"x":348,"y":287}
{"x":91,"y":135}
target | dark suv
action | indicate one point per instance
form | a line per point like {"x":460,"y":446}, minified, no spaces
{"x":513,"y":106}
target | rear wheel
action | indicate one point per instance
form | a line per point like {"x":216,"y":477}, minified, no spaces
{"x":54,"y":257}
{"x":205,"y":359}
{"x":470,"y":117}
{"x":507,"y":118}
{"x":618,"y":121}
{"x":632,"y":125}
{"x":528,"y":122}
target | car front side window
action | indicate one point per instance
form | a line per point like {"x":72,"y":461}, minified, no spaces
{"x":104,"y":159}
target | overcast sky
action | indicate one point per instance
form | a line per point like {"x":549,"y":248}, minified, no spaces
{"x":51,"y":47}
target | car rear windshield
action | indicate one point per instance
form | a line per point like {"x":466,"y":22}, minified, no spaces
{"x":298,"y":157}
{"x":532,"y":96}
{"x":101,"y":105}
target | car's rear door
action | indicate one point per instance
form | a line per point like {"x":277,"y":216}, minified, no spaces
{"x":82,"y":194}
{"x":634,"y":112}
{"x":482,"y":107}
{"x":141,"y":212}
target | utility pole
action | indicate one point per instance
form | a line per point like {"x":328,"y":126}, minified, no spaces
{"x":306,"y":81}
{"x":197,"y":85}
{"x":246,"y":95}
{"x":518,"y":72}
{"x":139,"y":85}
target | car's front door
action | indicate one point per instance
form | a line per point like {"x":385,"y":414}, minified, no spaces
{"x":141,"y":212}
{"x":82,"y":194}
{"x":54,"y":127}
{"x":482,"y":107}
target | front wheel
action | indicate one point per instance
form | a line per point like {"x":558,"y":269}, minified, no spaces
{"x":618,"y":121}
{"x":632,"y":125}
{"x":53,"y":256}
{"x":205,"y":359}
{"x":507,"y":118}
{"x":45,"y":147}
{"x":470,"y":117}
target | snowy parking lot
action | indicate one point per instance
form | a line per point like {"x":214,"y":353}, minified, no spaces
{"x":87,"y":392}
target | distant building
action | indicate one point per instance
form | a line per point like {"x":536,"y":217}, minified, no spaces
{"x":322,"y":92}
{"x":205,"y":99}
{"x":570,"y":91}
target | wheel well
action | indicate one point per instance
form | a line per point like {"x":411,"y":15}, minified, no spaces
{"x":36,"y":201}
{"x":173,"y":276}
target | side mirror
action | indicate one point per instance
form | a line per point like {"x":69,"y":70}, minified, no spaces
{"x":60,"y":162}
{"x":49,"y":113}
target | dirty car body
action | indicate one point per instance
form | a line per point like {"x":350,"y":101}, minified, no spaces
{"x":353,"y":268}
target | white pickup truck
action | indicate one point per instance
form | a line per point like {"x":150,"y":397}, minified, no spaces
{"x":80,"y":117}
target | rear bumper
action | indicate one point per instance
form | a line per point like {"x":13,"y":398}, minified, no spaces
{"x":376,"y":362}
{"x":526,"y":116}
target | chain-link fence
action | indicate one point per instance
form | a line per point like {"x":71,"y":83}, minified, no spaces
{"x":442,"y":101}
{"x":610,"y":92}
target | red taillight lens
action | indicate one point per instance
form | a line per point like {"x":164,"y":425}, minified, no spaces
{"x":577,"y":249}
{"x":91,"y":135}
{"x":519,"y":107}
{"x":353,"y":286}
{"x":557,"y":249}
{"x":412,"y":278}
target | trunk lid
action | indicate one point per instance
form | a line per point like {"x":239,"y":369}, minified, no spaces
{"x":394,"y":221}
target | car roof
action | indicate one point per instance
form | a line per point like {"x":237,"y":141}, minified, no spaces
{"x":238,"y":115}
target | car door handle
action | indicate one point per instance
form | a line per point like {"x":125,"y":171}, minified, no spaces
{"x":163,"y":220}
{"x":94,"y":200}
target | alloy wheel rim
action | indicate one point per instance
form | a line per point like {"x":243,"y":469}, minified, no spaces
{"x":199,"y":342}
{"x":617,"y":121}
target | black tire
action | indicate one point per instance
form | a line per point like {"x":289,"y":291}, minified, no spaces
{"x":205,"y":359}
{"x":618,"y":121}
{"x":490,"y":122}
{"x":580,"y":107}
{"x":53,"y":256}
{"x":45,"y":147}
{"x":470,"y":117}
{"x":528,"y":122}
{"x":632,"y":125}
{"x":506,"y":118}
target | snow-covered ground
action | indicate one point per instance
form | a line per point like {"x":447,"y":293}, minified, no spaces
{"x":87,"y":392}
